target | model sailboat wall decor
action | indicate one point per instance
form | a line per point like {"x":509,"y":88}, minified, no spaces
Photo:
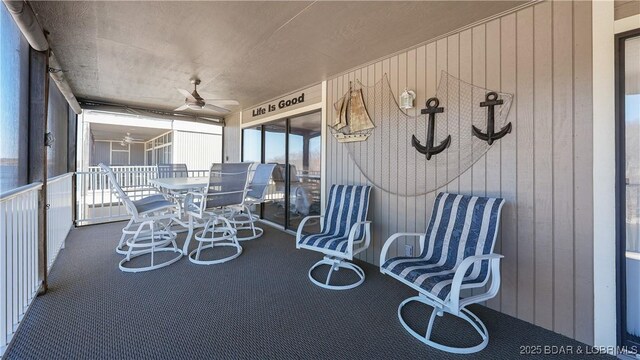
{"x":352,"y":123}
{"x":390,"y":145}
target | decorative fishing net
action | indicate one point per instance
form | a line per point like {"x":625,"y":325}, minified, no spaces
{"x":389,"y":148}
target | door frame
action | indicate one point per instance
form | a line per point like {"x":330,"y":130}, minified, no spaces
{"x":620,"y":191}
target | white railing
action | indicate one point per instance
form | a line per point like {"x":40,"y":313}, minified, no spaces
{"x":59,"y":214}
{"x":18,"y":257}
{"x":96,"y":203}
{"x":19,"y":245}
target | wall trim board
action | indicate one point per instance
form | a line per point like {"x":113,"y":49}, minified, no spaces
{"x":323,"y":151}
{"x":627,"y":24}
{"x":272,"y":109}
{"x":604,"y":205}
{"x":282,"y":115}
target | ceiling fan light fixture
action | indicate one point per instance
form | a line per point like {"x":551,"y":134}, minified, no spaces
{"x":194,"y":101}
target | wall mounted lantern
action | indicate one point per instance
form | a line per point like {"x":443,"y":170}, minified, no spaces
{"x":406,"y":99}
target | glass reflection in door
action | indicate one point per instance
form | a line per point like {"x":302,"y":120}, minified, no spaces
{"x":252,"y":152}
{"x":274,"y":207}
{"x":304,"y":170}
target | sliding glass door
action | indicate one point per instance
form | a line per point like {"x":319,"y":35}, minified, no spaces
{"x":275,"y":152}
{"x":252,"y":151}
{"x":294,"y":145}
{"x":628,"y":109}
{"x":304,"y":170}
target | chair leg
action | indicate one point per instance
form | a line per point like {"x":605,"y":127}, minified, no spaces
{"x":464,"y":314}
{"x":123,"y":238}
{"x":159,"y":240}
{"x":221,"y":235}
{"x":245,"y":220}
{"x":197,"y":257}
{"x":432,"y":319}
{"x":336,"y":264}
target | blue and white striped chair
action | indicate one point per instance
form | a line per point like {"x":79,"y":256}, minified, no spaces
{"x":345,"y":232}
{"x":458,"y":255}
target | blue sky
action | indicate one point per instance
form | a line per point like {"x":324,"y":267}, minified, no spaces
{"x":632,"y":108}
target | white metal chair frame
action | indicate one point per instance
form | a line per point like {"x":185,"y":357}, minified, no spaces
{"x":241,"y":216}
{"x":217,"y":230}
{"x":454,"y":304}
{"x":133,"y":225}
{"x":337,"y":259}
{"x":156,"y":239}
{"x":170,"y":171}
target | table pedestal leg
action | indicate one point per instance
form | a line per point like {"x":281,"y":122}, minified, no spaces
{"x":185,"y":247}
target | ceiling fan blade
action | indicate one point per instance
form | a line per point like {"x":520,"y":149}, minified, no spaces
{"x":217,"y":108}
{"x":223,"y":102}
{"x":210,"y":97}
{"x":181,"y":108}
{"x":186,"y":94}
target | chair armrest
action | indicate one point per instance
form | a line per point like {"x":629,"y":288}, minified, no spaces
{"x":301,"y":226}
{"x":352,"y":236}
{"x":494,"y":267}
{"x":141,"y":189}
{"x":189,"y":200}
{"x":390,"y":240}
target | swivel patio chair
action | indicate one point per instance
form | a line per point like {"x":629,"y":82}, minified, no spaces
{"x":345,"y":233}
{"x":132,"y":226}
{"x":227,"y":187}
{"x":458,"y":255}
{"x":241,"y":217}
{"x":154,"y":212}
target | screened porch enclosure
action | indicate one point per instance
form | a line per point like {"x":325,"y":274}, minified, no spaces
{"x":353,"y":179}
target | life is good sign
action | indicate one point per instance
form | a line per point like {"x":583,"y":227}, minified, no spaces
{"x":278,"y":105}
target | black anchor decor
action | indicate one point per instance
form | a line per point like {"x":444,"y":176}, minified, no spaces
{"x":430,"y":150}
{"x":491,"y":100}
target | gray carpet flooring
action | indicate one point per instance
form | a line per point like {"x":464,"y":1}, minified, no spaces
{"x":258,"y":306}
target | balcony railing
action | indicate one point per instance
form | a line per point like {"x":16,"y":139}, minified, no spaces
{"x":95,"y":201}
{"x":19,"y":245}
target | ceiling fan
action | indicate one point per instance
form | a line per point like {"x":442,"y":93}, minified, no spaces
{"x":194,"y":101}
{"x":128,"y":139}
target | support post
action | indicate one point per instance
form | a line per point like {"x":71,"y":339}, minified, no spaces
{"x":38,"y":112}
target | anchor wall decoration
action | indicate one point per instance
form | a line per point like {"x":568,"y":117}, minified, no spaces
{"x":491,"y":100}
{"x":428,"y":149}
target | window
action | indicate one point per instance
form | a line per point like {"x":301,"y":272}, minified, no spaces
{"x":628,"y":142}
{"x":14,"y":102}
{"x":58,"y":126}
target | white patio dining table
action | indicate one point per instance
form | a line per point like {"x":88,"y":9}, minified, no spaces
{"x":183,"y":184}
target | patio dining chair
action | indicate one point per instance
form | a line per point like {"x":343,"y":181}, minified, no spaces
{"x":456,"y":253}
{"x":345,"y":233}
{"x":227,"y":187}
{"x":172,"y":170}
{"x":242,"y":218}
{"x":153,"y":212}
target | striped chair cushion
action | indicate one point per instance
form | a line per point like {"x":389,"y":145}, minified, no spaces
{"x":460,"y":226}
{"x":348,"y":204}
